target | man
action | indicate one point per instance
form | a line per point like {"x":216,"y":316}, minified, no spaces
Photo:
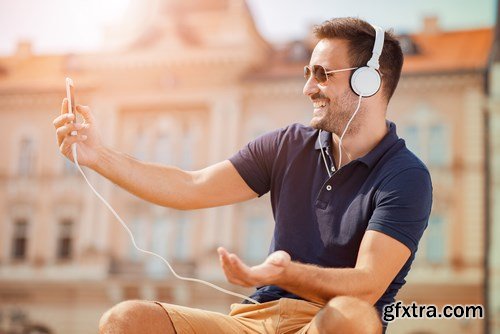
{"x":350,"y":202}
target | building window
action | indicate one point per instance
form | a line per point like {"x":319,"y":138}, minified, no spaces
{"x":412,"y":139}
{"x":140,"y":146}
{"x":162,"y":153}
{"x":438,"y":145}
{"x":183,"y":237}
{"x":187,"y":151}
{"x":20,"y":240}
{"x":428,"y":137}
{"x":408,"y":46}
{"x":435,"y":240}
{"x":65,"y":240}
{"x":18,"y":319}
{"x":139,"y":230}
{"x":131,"y":292}
{"x":26,"y":157}
{"x":430,"y":143}
{"x":256,"y":239}
{"x":162,"y":230}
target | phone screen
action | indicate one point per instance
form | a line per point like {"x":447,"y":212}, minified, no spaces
{"x":70,"y":94}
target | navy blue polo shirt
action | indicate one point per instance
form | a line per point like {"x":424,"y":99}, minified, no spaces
{"x":320,"y":219}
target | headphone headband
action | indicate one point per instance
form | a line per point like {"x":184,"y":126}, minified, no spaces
{"x":366,"y":81}
{"x":377,"y":47}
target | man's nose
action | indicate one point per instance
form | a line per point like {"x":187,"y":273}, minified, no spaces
{"x":310,"y":87}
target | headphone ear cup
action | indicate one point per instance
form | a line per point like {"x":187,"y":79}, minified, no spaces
{"x":365,"y":81}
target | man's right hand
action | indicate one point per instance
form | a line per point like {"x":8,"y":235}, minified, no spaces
{"x":88,"y":140}
{"x":218,"y":184}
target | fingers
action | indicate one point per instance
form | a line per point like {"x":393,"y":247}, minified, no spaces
{"x":65,"y":146}
{"x":238,"y":267}
{"x":227,"y":264}
{"x":63,"y":119}
{"x":70,"y":140}
{"x":66,"y":129}
{"x":86,"y":113}
{"x":242,"y":271}
{"x":66,"y":116}
{"x":64,"y":106}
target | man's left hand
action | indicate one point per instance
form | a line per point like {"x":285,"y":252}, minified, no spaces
{"x":268,"y":272}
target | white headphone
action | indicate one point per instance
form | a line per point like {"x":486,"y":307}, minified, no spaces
{"x":365,"y":81}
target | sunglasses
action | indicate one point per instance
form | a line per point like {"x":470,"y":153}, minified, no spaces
{"x":320,"y":74}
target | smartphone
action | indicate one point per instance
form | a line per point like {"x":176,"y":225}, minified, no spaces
{"x":70,"y":94}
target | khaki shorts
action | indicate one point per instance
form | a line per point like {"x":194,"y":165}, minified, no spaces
{"x":280,"y":316}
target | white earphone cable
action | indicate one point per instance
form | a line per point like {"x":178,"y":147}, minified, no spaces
{"x":323,"y":154}
{"x":345,"y":130}
{"x":340,"y":140}
{"x":73,"y":149}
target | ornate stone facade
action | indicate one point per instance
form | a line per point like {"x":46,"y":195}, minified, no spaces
{"x":187,"y":83}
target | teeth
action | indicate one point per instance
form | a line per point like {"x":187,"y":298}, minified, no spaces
{"x":319,"y":104}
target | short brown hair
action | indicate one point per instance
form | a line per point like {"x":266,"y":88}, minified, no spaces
{"x":360,"y":36}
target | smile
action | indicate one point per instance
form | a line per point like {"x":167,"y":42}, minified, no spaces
{"x":319,"y":104}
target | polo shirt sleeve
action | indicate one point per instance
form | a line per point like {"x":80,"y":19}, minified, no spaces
{"x":255,"y":161}
{"x":402,"y":207}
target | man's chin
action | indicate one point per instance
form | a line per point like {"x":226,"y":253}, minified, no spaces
{"x":316,"y":123}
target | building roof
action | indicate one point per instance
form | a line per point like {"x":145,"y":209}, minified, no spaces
{"x":32,"y":72}
{"x":450,"y":51}
{"x":430,"y":51}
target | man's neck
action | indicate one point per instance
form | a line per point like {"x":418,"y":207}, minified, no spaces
{"x":358,"y":145}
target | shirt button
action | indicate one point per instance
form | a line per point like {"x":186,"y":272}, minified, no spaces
{"x":328,"y":187}
{"x":333,"y":169}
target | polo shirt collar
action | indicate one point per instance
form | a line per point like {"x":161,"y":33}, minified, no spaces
{"x":325,"y":138}
{"x":371,"y":158}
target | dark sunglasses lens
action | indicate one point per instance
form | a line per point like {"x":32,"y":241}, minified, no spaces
{"x":307,"y":72}
{"x":319,"y":73}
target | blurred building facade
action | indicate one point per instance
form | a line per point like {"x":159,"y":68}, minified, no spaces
{"x":188,"y":83}
{"x":440,"y":110}
{"x":493,"y":203}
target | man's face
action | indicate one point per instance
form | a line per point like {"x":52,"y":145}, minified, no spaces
{"x":333,"y":101}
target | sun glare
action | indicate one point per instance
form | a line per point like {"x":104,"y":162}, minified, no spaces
{"x":58,"y":26}
{"x":105,"y":12}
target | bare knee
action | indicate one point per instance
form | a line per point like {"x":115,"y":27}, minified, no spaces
{"x":346,"y":314}
{"x":121,"y":317}
{"x":135,"y":316}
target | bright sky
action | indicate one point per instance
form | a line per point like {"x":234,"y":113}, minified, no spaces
{"x":59,"y":26}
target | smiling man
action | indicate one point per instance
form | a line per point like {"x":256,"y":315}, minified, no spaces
{"x":350,"y":201}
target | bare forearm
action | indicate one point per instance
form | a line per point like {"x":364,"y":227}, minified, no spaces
{"x":322,"y":284}
{"x":379,"y":260}
{"x":215,"y":185}
{"x":159,"y":184}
